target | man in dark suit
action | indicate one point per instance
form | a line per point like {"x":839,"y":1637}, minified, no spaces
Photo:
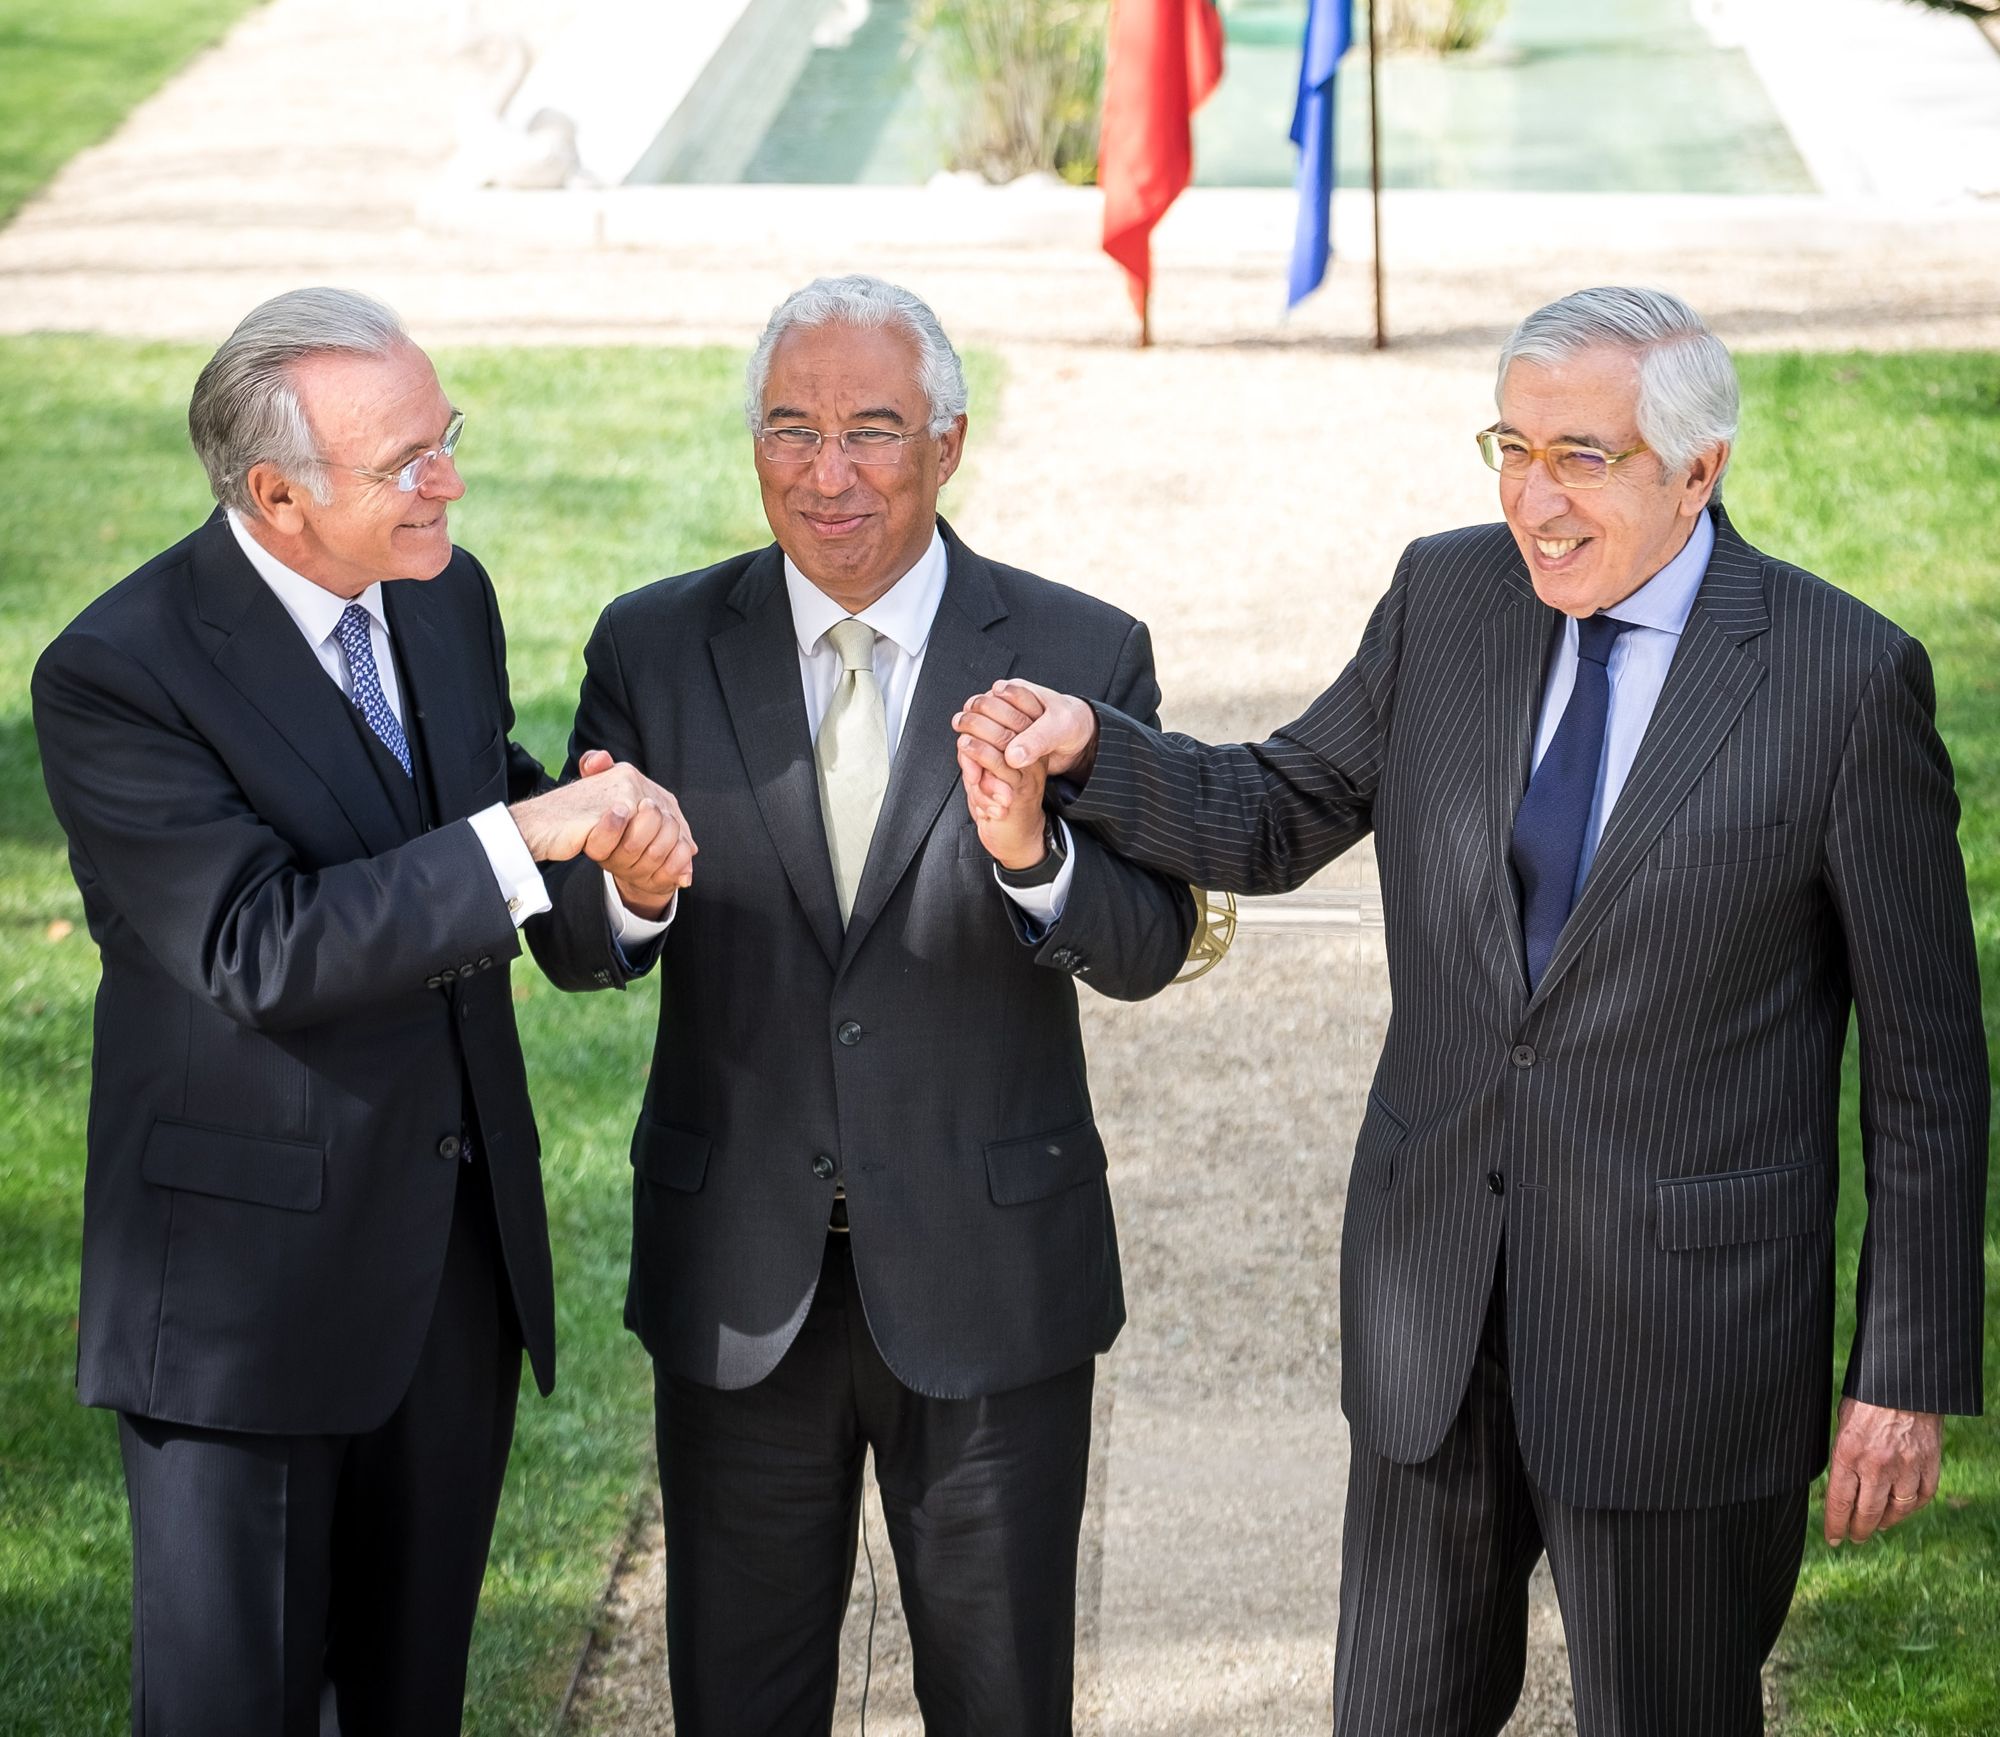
{"x":314,"y":1242}
{"x":1653,"y":811}
{"x":870,"y":1208}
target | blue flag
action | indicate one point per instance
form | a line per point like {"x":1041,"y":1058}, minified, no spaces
{"x":1329,"y":29}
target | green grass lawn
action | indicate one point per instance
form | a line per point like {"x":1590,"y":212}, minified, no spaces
{"x":1883,"y":474}
{"x":588,"y":472}
{"x":71,"y":70}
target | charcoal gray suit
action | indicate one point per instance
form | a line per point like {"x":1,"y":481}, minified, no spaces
{"x":1651,"y":1135}
{"x":927,"y":1058}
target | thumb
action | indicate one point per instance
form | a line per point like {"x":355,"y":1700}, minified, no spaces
{"x":594,"y":761}
{"x":1048,"y":734}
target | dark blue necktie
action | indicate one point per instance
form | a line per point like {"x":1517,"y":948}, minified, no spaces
{"x":369,"y":700}
{"x":1549,"y":829}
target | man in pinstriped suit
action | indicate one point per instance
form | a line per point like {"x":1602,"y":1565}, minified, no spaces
{"x":1653,"y":812}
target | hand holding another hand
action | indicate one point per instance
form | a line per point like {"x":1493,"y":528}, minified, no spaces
{"x":619,"y":818}
{"x":1005,"y":801}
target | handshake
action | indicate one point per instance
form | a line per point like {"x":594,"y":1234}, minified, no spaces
{"x":624,"y":822}
{"x":1012,"y":739}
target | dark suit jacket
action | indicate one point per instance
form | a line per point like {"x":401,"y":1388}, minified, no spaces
{"x":925,"y":1052}
{"x":303,"y":998}
{"x":1653,"y":1133}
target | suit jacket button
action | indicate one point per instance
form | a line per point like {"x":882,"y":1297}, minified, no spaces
{"x":450,"y":1146}
{"x":433,"y":982}
{"x":1524,"y":1055}
{"x":824,"y":1167}
{"x":1496,"y":1182}
{"x":1062,"y":958}
{"x":485,"y":961}
{"x":849,"y":1033}
{"x":448,"y":975}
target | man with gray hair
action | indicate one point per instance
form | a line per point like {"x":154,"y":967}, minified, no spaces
{"x":314,"y":1244}
{"x":1653,"y":812}
{"x":869,"y":1203}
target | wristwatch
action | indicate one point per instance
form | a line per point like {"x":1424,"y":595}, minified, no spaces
{"x":1043,"y":873}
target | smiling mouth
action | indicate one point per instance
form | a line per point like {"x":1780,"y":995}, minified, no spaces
{"x":421,"y":524}
{"x":1557,"y":548}
{"x":834,"y":527}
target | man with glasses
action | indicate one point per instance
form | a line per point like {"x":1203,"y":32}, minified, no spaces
{"x":869,"y":1207}
{"x":1653,"y":811}
{"x":314,"y":1244}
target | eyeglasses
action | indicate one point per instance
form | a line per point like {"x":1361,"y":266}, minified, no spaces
{"x":1570,"y":465}
{"x":408,"y":476}
{"x":792,"y":445}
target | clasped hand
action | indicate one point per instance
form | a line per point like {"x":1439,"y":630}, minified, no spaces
{"x":619,"y":818}
{"x":1012,"y":739}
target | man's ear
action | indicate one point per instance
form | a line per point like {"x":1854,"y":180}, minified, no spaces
{"x":1702,"y":475}
{"x":951,"y":448}
{"x":281,"y":502}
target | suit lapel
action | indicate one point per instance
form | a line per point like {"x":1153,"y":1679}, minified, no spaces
{"x":1708,"y":684}
{"x":960,"y":658}
{"x":435,"y":702}
{"x":757,"y":665}
{"x":1514,"y":655}
{"x":266,"y":658}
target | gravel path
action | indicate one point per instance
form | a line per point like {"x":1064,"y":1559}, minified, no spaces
{"x":1245,"y":487}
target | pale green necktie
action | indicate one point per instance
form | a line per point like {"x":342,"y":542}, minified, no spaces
{"x":853,"y":758}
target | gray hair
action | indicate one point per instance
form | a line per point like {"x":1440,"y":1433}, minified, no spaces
{"x":1688,"y":397}
{"x":868,"y":304}
{"x":246,"y":411}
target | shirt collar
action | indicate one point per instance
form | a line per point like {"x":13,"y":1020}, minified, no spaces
{"x":316,"y":609}
{"x":903,"y":614}
{"x":1665,"y":600}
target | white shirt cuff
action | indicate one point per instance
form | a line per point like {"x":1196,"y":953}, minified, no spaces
{"x":630,"y":930}
{"x":1044,"y":905}
{"x":514,"y":865}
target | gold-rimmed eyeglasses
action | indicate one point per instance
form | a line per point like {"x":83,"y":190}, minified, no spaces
{"x":1571,"y":465}
{"x":790,"y":444}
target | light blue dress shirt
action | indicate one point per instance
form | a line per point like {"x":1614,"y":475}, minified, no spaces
{"x":1637,"y":669}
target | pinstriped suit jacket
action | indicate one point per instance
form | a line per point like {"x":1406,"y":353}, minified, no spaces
{"x":1652,"y":1134}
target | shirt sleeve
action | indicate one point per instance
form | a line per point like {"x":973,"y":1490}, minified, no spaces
{"x":514,"y":866}
{"x":1043,"y":906}
{"x":630,"y":930}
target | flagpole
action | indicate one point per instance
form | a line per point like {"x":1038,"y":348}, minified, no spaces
{"x":1375,"y":170}
{"x":1146,"y":318}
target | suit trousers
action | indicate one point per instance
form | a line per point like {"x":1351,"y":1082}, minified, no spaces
{"x":1669,"y":1613}
{"x":762,"y":1493}
{"x":325,"y":1585}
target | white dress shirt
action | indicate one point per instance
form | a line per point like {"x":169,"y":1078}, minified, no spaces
{"x":1637,"y":668}
{"x":316,"y":611}
{"x":901,"y":618}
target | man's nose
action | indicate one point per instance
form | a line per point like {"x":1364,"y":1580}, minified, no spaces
{"x":441,"y":481}
{"x":832,"y":469}
{"x":1542,"y":497}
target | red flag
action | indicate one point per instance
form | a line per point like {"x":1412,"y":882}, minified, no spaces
{"x":1165,"y":56}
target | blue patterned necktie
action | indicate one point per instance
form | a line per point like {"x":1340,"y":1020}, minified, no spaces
{"x":1548,"y":830}
{"x":365,"y":682}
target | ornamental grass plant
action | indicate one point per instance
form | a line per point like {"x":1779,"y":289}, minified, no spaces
{"x":1021,"y":83}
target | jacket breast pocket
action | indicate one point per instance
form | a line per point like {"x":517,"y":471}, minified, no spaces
{"x":671,"y":1157}
{"x":1739,"y":1206}
{"x":1018,"y":1171}
{"x":233,"y":1166}
{"x":1731,"y":844}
